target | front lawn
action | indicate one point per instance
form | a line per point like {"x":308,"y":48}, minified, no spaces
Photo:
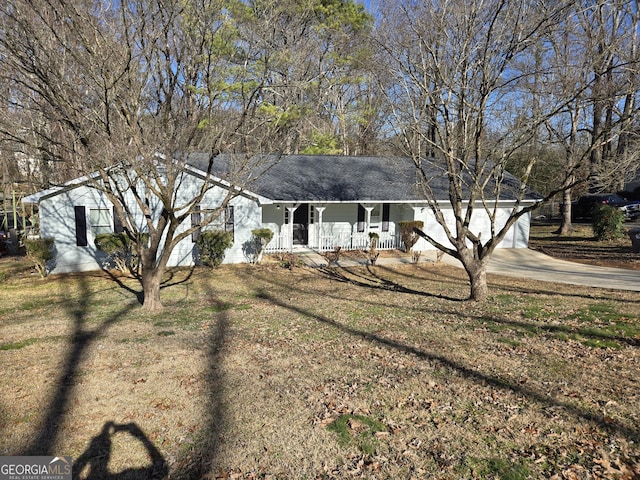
{"x":263,"y":372}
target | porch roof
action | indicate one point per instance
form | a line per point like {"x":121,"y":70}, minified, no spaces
{"x":333,"y":178}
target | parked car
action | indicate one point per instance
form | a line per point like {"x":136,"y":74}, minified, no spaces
{"x":582,"y":209}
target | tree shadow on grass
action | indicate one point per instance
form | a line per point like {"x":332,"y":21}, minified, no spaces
{"x":86,"y":330}
{"x":376,"y":281}
{"x":203,"y":457}
{"x":468,"y":372}
{"x":375,"y":278}
{"x":355,"y":276}
{"x":532,"y":327}
{"x":562,"y":290}
{"x":81,"y":341}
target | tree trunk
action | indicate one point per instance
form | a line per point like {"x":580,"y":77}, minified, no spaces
{"x":478,"y":280}
{"x":476,"y":269}
{"x":151,"y":279}
{"x":595,"y":159}
{"x":566,"y":226}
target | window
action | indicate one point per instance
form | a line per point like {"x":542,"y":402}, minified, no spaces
{"x":224,"y":221}
{"x":100,"y":221}
{"x":195,"y":222}
{"x":229,"y":219}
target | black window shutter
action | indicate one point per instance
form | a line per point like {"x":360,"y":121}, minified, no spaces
{"x":195,"y":222}
{"x":361,"y":214}
{"x":81,"y":226}
{"x":117,"y":222}
{"x":385,"y":217}
{"x":229,"y":220}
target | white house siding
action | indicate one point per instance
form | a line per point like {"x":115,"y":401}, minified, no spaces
{"x":516,"y":237}
{"x":338,"y":227}
{"x":57,"y":221}
{"x":247,"y":217}
{"x":273,"y":219}
{"x":400,"y":212}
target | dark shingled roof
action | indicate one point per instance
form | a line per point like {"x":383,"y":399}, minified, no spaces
{"x":332,"y":178}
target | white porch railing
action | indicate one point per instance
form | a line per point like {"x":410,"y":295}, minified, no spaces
{"x":358,"y":241}
{"x":279,"y":243}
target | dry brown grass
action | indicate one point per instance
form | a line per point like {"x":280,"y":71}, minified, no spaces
{"x":248,"y":368}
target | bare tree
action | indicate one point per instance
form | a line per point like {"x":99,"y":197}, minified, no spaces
{"x":128,"y":90}
{"x":459,"y":70}
{"x":568,"y":78}
{"x":595,"y":55}
{"x":610,"y":49}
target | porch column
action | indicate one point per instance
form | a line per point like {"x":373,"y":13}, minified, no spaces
{"x":369,"y":210}
{"x":291,"y":210}
{"x":320,"y":211}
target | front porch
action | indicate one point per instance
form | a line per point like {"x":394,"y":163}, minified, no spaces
{"x":325,"y":227}
{"x":284,"y":242}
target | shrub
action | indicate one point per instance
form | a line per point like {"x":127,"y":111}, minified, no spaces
{"x":39,"y":251}
{"x":212,"y":245}
{"x":372,"y":254}
{"x":334,"y":256}
{"x":608,"y":222}
{"x":261,"y":237}
{"x":373,"y":240}
{"x":118,"y":247}
{"x":408,"y":235}
{"x":263,"y":234}
{"x":289,"y":260}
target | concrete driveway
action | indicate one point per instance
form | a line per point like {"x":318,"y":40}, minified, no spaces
{"x":524,"y":263}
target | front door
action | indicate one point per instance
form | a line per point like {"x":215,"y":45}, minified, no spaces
{"x":301,"y":225}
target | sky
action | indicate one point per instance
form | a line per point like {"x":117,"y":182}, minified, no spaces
{"x":368,"y":4}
